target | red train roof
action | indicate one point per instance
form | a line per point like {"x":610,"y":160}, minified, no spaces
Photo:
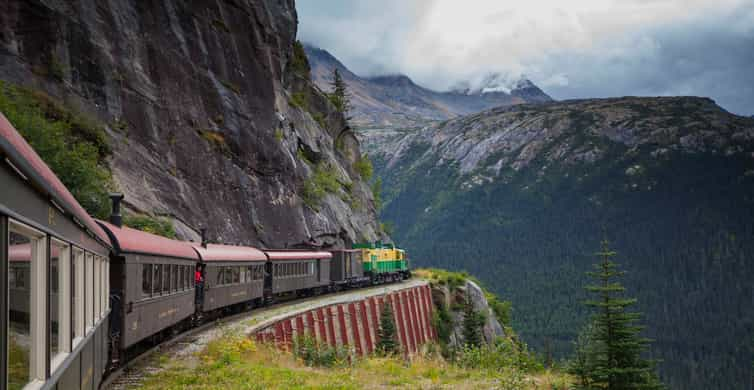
{"x":297,"y":255}
{"x":130,"y":240}
{"x":215,"y":252}
{"x":31,"y":165}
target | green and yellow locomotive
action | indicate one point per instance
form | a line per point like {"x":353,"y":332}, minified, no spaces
{"x":383,"y":262}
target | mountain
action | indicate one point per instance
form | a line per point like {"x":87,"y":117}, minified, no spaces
{"x":210,"y":113}
{"x":523,"y":195}
{"x":396,"y":101}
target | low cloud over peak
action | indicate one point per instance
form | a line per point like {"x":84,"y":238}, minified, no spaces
{"x":571,"y":49}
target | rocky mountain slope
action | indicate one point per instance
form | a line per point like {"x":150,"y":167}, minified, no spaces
{"x":396,"y":101}
{"x":522,"y":196}
{"x":211,"y":115}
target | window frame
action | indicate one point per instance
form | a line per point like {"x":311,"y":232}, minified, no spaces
{"x":97,"y":291}
{"x":79,"y":326}
{"x":89,"y":291}
{"x":156,"y":279}
{"x":147,"y":289}
{"x":63,"y":302}
{"x":38,"y":308}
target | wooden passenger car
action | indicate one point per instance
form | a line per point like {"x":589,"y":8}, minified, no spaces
{"x":301,"y":272}
{"x":54,"y":306}
{"x":152,"y":278}
{"x":233,"y":275}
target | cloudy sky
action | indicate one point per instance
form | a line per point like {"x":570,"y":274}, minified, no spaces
{"x":571,"y":49}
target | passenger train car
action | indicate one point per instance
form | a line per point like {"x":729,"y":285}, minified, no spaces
{"x":79,"y":297}
{"x":54,"y":262}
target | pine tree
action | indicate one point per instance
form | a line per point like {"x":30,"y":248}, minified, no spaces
{"x":386,"y":336}
{"x":339,"y":96}
{"x":615,"y":360}
{"x":582,"y":364}
{"x":472,"y":325}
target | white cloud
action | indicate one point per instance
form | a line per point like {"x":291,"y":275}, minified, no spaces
{"x":599,"y":47}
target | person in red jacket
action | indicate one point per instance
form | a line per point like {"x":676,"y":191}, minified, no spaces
{"x":199,"y":284}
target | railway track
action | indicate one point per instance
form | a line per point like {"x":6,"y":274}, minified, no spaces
{"x":193,"y":340}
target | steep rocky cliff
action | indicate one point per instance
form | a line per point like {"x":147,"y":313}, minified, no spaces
{"x":212,"y":117}
{"x":522,"y":196}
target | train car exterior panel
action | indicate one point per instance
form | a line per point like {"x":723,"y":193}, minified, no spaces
{"x":224,"y":288}
{"x":146,"y":314}
{"x":296,"y":275}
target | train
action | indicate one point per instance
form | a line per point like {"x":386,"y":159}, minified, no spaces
{"x":82,"y":296}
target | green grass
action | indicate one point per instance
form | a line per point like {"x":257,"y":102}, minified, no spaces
{"x":155,"y":225}
{"x":234,"y":362}
{"x":72,"y":144}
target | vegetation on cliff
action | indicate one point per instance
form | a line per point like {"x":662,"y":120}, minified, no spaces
{"x":73,"y":145}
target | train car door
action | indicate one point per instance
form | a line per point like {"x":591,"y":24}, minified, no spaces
{"x":267,"y":290}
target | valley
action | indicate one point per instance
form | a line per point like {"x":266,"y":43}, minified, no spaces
{"x":522,"y":194}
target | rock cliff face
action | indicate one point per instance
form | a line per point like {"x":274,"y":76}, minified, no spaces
{"x":455,"y":298}
{"x":197,"y":101}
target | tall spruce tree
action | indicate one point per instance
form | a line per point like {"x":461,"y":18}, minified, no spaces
{"x":472,"y":325}
{"x":387,"y":342}
{"x":339,"y":96}
{"x":614,"y":359}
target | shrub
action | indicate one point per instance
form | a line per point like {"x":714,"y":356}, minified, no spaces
{"x":314,"y":354}
{"x":364,"y":167}
{"x":149,"y":224}
{"x":71,"y":144}
{"x":376,"y":193}
{"x":299,"y":63}
{"x":324,"y":181}
{"x":320,"y":119}
{"x":300,"y":100}
{"x":216,"y":139}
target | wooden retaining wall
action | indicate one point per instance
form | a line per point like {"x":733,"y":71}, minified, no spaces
{"x":355,"y":324}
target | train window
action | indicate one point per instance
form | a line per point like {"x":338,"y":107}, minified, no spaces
{"x":146,"y":280}
{"x":58,"y":298}
{"x":27,"y":255}
{"x":228,"y":275}
{"x":89,"y":286}
{"x":248,"y":274}
{"x":77,"y":302}
{"x":220,"y":279}
{"x":157,"y":279}
{"x":106,"y":290}
{"x":236,"y":274}
{"x":174,"y":278}
{"x":189,"y":278}
{"x":97,"y":275}
{"x":243,"y":274}
{"x":165,"y":279}
{"x":181,"y":275}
